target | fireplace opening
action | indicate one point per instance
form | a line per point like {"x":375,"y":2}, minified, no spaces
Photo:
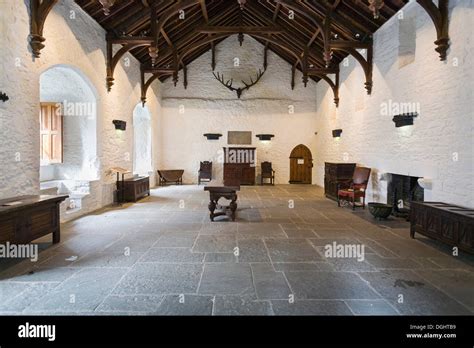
{"x":401,"y":191}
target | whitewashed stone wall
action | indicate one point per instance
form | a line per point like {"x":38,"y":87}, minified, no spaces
{"x":73,"y":39}
{"x":440,"y":144}
{"x":208,"y":107}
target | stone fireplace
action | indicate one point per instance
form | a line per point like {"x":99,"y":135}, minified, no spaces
{"x":401,"y":191}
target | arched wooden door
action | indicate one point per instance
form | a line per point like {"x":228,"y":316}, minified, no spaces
{"x":301,"y":165}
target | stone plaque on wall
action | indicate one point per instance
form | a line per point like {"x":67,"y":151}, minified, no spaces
{"x":239,"y":138}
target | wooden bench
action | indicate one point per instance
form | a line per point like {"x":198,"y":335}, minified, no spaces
{"x":171,"y":176}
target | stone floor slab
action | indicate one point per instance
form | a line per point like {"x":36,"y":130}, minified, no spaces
{"x":329,"y":285}
{"x":241,"y":305}
{"x":226,"y":279}
{"x":310,"y":307}
{"x":160,"y":278}
{"x":291,"y":250}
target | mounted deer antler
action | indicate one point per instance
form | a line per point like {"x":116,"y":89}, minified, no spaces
{"x":239,"y":90}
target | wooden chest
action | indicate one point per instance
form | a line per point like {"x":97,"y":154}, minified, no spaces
{"x":134,"y":188}
{"x":26,"y":218}
{"x":335,"y":173}
{"x":448,"y":223}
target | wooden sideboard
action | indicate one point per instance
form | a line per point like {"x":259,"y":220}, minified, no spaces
{"x":335,"y":173}
{"x":239,"y":167}
{"x":448,"y":223}
{"x":134,"y":188}
{"x":26,"y":218}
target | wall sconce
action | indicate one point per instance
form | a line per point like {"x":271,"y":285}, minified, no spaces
{"x":425,"y":183}
{"x":404,"y":119}
{"x":336,"y":133}
{"x":120,"y":125}
{"x":3,"y":97}
{"x":265,"y":137}
{"x":212,"y":136}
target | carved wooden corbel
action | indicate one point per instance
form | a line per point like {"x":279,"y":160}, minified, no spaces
{"x":293,"y":73}
{"x":176,"y":67}
{"x":146,"y":83}
{"x":322,"y":73}
{"x":439,"y":15}
{"x":366,"y":63}
{"x":39,"y":11}
{"x":265,"y":56}
{"x":213,"y":53}
{"x":113,"y":59}
{"x":305,"y":66}
{"x":185,"y":77}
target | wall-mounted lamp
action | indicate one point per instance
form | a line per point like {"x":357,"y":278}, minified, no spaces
{"x":336,"y":133}
{"x":265,"y":137}
{"x":404,"y":119}
{"x":120,"y":125}
{"x":212,"y":136}
{"x":3,"y":97}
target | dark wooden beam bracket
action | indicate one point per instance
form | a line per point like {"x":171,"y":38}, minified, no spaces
{"x":322,"y":73}
{"x":113,"y":59}
{"x":39,"y":11}
{"x":366,"y":63}
{"x":439,"y":15}
{"x":146,"y":83}
{"x":213,"y":53}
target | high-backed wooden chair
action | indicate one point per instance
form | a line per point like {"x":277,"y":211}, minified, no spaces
{"x":205,"y":171}
{"x":353,"y":190}
{"x":267,"y":173}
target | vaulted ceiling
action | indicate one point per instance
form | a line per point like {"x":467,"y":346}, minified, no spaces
{"x":294,"y":32}
{"x":313,"y":36}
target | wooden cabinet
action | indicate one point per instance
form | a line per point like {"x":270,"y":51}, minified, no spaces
{"x":335,"y":173}
{"x":134,"y":188}
{"x":26,"y":218}
{"x":239,"y":166}
{"x":448,"y":223}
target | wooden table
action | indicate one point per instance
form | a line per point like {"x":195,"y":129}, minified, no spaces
{"x":171,"y":175}
{"x":217,"y":191}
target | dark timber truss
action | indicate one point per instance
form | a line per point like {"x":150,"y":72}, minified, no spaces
{"x":314,"y":36}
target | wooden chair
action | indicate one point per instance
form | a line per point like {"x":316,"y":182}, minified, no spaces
{"x":354,"y":189}
{"x":205,"y":171}
{"x":267,"y":173}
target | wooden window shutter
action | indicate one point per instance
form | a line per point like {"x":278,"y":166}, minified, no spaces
{"x":51,"y":133}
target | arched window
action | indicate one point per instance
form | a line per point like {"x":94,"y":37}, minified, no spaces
{"x":68,"y":120}
{"x":142,"y":162}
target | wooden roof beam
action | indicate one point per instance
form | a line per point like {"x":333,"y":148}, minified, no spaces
{"x":239,"y":29}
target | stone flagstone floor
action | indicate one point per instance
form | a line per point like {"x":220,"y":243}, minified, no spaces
{"x":162,"y":256}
